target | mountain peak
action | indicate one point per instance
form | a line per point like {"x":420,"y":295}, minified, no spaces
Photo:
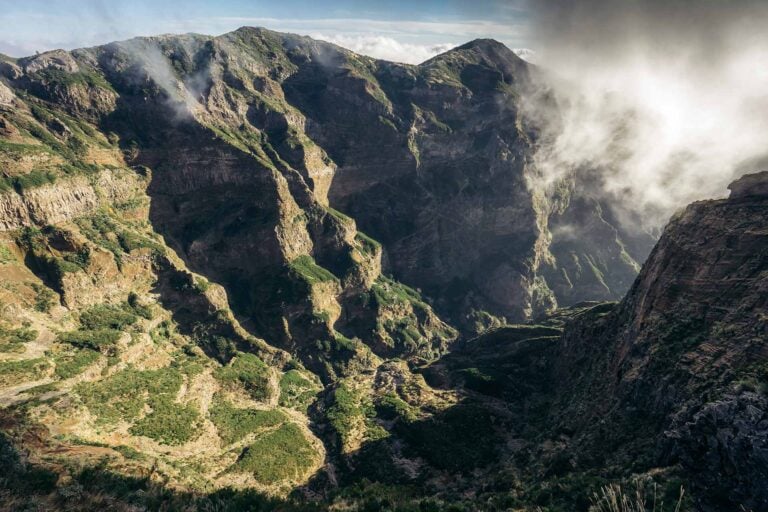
{"x":755,"y":184}
{"x":484,"y":44}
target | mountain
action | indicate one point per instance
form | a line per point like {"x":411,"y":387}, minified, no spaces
{"x":259,"y":270}
{"x":671,"y":379}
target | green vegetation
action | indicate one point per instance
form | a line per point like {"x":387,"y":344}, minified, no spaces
{"x":33,"y":179}
{"x":15,"y":151}
{"x":612,"y":498}
{"x":102,"y":229}
{"x":481,"y":381}
{"x":45,"y":298}
{"x":102,"y":325}
{"x":307,"y":269}
{"x":296,"y":390}
{"x":234,"y":424}
{"x":344,"y":413}
{"x":168,"y":423}
{"x":72,"y":363}
{"x":467,"y":429}
{"x":248,"y":371}
{"x":391,"y":407}
{"x":16,"y":372}
{"x":124,"y":394}
{"x":388,"y":292}
{"x":99,"y":339}
{"x":6,"y":256}
{"x":367,"y":244}
{"x":13,"y":340}
{"x":108,"y":316}
{"x":278,"y":455}
{"x":344,"y":219}
{"x":66,"y":79}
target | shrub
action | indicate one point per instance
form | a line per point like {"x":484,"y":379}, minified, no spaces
{"x":168,"y":423}
{"x":99,"y":339}
{"x":248,"y":371}
{"x":13,"y":340}
{"x":33,"y":179}
{"x":45,"y":298}
{"x":138,"y":308}
{"x":105,"y":316}
{"x":390,"y":407}
{"x":234,"y":424}
{"x":6,"y":256}
{"x":612,"y":498}
{"x":16,"y":372}
{"x":388,"y":292}
{"x":344,"y":413}
{"x":124,"y":394}
{"x":278,"y":455}
{"x":69,"y":364}
{"x":305,"y":267}
{"x":296,"y":390}
{"x":367,"y":244}
{"x":467,"y":429}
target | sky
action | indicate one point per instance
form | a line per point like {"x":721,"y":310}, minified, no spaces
{"x":404,"y":31}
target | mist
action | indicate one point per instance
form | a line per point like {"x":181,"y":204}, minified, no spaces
{"x":664,"y":102}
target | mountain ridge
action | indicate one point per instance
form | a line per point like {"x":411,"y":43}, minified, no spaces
{"x":256,"y":243}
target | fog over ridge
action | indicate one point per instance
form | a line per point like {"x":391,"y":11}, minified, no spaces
{"x":665,"y":101}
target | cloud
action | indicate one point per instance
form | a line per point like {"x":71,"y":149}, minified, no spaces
{"x":94,"y":23}
{"x":666,"y":102}
{"x":386,"y":48}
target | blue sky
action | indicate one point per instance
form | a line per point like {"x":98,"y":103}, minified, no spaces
{"x":408,"y":31}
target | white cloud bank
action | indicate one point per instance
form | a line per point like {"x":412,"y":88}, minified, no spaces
{"x":386,"y":48}
{"x":667,"y":101}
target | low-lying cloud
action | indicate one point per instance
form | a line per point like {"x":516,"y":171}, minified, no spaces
{"x":386,"y":48}
{"x":667,"y":101}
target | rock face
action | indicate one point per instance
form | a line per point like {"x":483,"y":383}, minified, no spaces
{"x":266,"y":136}
{"x":435,"y":162}
{"x":750,"y":185}
{"x":681,"y":360}
{"x":672,"y":380}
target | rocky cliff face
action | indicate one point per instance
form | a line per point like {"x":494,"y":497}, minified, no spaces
{"x":679,"y":364}
{"x":670,"y":381}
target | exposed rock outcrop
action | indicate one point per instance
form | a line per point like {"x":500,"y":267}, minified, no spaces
{"x":682,"y":359}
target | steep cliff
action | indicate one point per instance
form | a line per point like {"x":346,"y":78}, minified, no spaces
{"x":670,"y":381}
{"x":681,"y":361}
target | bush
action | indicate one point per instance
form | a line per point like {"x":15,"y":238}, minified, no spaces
{"x":168,"y":423}
{"x":6,"y":256}
{"x":296,"y":390}
{"x":234,"y":424}
{"x":13,"y":340}
{"x":344,"y":413}
{"x":32,"y":180}
{"x":99,"y":339}
{"x":106,"y":316}
{"x":305,"y":267}
{"x":467,"y":429}
{"x":278,"y":455}
{"x":69,"y":364}
{"x":16,"y":372}
{"x":390,"y":407}
{"x":124,"y":394}
{"x":612,"y":498}
{"x":367,"y":244}
{"x":248,"y":371}
{"x":45,"y":298}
